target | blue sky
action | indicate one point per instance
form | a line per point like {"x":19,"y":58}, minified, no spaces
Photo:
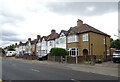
{"x":21,"y":19}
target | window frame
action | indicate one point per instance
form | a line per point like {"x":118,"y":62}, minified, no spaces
{"x":72,"y":38}
{"x":85,"y":37}
{"x":73,"y":50}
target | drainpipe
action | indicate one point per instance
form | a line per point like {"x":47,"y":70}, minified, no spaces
{"x":89,"y":44}
{"x":76,"y":59}
{"x":105,"y":49}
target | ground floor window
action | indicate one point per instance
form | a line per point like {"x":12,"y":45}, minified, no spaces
{"x":73,"y":52}
{"x":43,"y":51}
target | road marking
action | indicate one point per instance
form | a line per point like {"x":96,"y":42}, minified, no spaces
{"x":35,"y":70}
{"x":75,"y":80}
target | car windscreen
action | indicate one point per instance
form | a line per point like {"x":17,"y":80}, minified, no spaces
{"x":117,"y":52}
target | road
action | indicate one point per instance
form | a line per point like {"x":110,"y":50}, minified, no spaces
{"x":12,"y":69}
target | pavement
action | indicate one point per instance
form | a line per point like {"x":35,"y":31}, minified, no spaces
{"x":105,"y":68}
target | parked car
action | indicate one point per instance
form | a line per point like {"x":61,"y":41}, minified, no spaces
{"x":43,"y":57}
{"x":27,"y":54}
{"x":10,"y":53}
{"x":116,"y":56}
{"x":19,"y":54}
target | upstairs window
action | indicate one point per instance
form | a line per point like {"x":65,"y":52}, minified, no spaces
{"x":62,"y":40}
{"x":73,"y":38}
{"x":104,"y":40}
{"x":43,"y":43}
{"x":57,"y":41}
{"x":85,"y":37}
{"x":50,"y":43}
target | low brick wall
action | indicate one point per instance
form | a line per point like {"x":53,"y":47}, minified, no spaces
{"x":71,"y":59}
{"x":58,"y":58}
{"x":51,"y":58}
{"x":2,"y":55}
{"x":55,"y":58}
{"x":109,"y":58}
{"x":80,"y":59}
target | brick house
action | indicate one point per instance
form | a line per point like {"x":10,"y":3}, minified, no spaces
{"x":85,"y":40}
{"x":33,"y":46}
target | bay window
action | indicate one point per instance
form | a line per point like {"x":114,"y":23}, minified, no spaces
{"x":73,"y":52}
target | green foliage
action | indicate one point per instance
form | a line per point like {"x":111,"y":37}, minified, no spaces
{"x":58,"y":52}
{"x":2,"y":51}
{"x":115,"y":43}
{"x":11,"y":48}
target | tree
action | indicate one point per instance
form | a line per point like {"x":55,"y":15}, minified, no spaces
{"x":115,"y":43}
{"x":58,"y":52}
{"x":11,"y":48}
{"x":2,"y":51}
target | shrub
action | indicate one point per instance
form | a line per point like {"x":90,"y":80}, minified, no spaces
{"x":58,"y":52}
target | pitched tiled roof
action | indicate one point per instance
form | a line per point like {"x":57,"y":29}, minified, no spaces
{"x":33,"y":41}
{"x":52,"y":36}
{"x":45,"y":38}
{"x":86,"y":28}
{"x":64,"y":31}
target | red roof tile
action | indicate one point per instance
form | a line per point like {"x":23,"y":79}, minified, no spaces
{"x":86,"y":28}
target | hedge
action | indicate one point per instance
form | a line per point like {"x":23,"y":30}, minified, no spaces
{"x":58,"y":52}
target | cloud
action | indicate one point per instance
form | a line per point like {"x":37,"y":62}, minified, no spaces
{"x":8,"y":18}
{"x":10,"y":37}
{"x":8,"y":33}
{"x":82,"y":8}
{"x":23,"y":19}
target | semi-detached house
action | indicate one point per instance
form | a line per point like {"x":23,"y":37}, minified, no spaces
{"x":84,"y":40}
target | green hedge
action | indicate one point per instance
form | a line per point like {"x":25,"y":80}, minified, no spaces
{"x":58,"y":52}
{"x":2,"y":51}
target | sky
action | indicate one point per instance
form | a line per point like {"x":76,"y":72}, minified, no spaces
{"x":23,"y":19}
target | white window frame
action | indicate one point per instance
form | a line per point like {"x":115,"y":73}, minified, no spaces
{"x":43,"y":43}
{"x":50,"y":43}
{"x":57,"y":41}
{"x":62,"y":40}
{"x":104,"y":39}
{"x":72,"y":51}
{"x":85,"y":37}
{"x":72,"y":38}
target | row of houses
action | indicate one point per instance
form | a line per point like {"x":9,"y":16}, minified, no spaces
{"x":80,"y":40}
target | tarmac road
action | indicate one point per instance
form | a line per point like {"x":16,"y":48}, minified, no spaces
{"x":12,"y":69}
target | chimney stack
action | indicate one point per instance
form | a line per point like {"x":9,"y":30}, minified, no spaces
{"x":79,"y":22}
{"x":15,"y":44}
{"x":29,"y":39}
{"x":38,"y":36}
{"x":20,"y":43}
{"x":53,"y":31}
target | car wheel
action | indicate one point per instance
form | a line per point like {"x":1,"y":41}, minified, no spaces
{"x":114,"y":61}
